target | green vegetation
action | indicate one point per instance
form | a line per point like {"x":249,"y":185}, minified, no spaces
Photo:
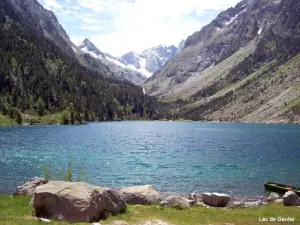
{"x":5,"y":120}
{"x":68,"y":173}
{"x":40,"y":82}
{"x":202,"y":215}
{"x":243,"y":82}
{"x":17,"y":211}
{"x":56,"y":118}
{"x":293,"y":103}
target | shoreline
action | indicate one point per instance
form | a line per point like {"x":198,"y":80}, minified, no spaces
{"x":16,"y":211}
{"x":178,"y":121}
{"x":51,"y":202}
{"x":165,"y":194}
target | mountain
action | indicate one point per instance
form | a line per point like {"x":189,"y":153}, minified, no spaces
{"x":43,"y":21}
{"x":150,"y":60}
{"x":243,"y":66}
{"x":117,"y":67}
{"x":180,"y":46}
{"x":132,"y":66}
{"x":42,"y":80}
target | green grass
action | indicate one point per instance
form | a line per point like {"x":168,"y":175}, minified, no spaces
{"x":292,"y":103}
{"x":235,"y":86}
{"x":6,"y":121}
{"x":17,"y":211}
{"x":28,"y":119}
{"x":47,"y":119}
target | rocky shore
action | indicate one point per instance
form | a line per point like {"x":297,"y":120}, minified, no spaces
{"x":82,"y":202}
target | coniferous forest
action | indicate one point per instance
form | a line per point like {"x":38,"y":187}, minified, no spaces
{"x":38,"y":79}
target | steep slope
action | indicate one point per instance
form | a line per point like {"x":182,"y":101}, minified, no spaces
{"x":150,"y":60}
{"x":180,"y":46}
{"x":132,"y":66}
{"x":271,"y":94}
{"x":116,"y":66}
{"x":43,"y":21}
{"x":41,"y":81}
{"x":45,"y":24}
{"x":243,"y":46}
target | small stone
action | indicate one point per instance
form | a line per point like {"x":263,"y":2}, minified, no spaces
{"x":273,"y":197}
{"x":178,"y":202}
{"x":44,"y":220}
{"x":163,"y":203}
{"x":278,"y":201}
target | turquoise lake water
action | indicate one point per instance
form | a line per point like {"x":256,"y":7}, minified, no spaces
{"x":172,"y":156}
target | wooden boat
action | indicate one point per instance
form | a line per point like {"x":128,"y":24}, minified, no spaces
{"x":280,"y":188}
{"x":297,"y":191}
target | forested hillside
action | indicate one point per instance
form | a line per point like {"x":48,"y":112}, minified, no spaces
{"x":39,"y":82}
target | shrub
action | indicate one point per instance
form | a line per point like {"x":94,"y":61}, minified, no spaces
{"x":67,"y":174}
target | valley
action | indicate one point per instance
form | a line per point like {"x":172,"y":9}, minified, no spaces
{"x":241,"y":67}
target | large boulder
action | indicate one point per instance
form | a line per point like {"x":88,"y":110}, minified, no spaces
{"x":177,"y":202}
{"x":140,"y":195}
{"x":216,"y":199}
{"x":290,"y":198}
{"x":29,"y":187}
{"x":76,"y":202}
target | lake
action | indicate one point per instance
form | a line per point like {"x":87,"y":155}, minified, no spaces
{"x":173,"y":156}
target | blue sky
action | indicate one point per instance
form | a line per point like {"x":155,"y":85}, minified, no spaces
{"x":119,"y":26}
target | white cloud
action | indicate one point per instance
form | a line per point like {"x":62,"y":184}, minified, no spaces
{"x":118,"y":26}
{"x":51,"y":4}
{"x":92,"y":27}
{"x":77,"y":40}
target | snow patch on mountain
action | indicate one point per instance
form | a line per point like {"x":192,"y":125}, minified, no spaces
{"x":236,"y":16}
{"x":147,"y":62}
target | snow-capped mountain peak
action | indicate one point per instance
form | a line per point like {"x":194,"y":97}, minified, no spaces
{"x":151,"y":59}
{"x":146,"y":63}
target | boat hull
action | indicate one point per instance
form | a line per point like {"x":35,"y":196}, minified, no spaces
{"x":280,"y":188}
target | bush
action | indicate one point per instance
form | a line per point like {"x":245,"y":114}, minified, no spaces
{"x":65,"y":117}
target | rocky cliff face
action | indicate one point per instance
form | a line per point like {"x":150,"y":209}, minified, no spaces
{"x":43,"y":21}
{"x":132,"y":66}
{"x":116,"y":66}
{"x":240,"y":47}
{"x":150,"y":60}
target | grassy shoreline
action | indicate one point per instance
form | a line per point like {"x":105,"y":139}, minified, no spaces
{"x":17,"y":211}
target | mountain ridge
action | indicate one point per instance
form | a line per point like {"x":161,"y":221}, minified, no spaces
{"x":42,"y":81}
{"x":118,"y":68}
{"x":226,"y":56}
{"x":139,"y":66}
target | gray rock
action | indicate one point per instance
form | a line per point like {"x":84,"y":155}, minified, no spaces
{"x":290,"y":198}
{"x":216,"y":199}
{"x":76,"y":202}
{"x":140,"y":195}
{"x":279,"y":201}
{"x":273,"y":197}
{"x":44,"y":220}
{"x":29,"y":187}
{"x":177,"y":202}
{"x":115,"y":65}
